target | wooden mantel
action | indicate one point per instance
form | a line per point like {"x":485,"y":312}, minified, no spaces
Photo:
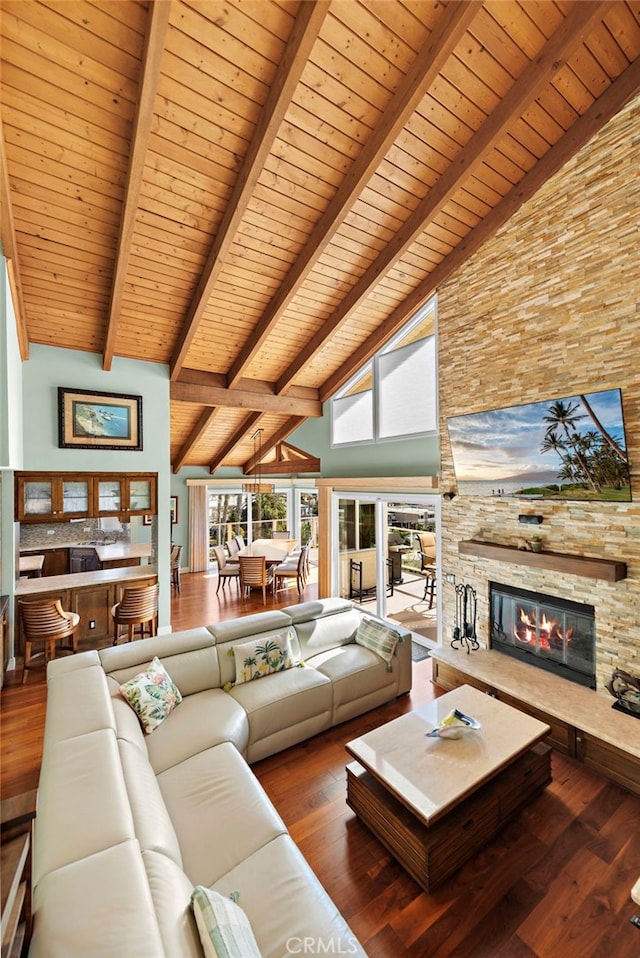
{"x":608,"y":569}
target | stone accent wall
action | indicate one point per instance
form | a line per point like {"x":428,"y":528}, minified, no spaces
{"x":549,"y":307}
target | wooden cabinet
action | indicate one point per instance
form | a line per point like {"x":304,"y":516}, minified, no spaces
{"x":16,"y":823}
{"x":57,"y":497}
{"x":125,"y":495}
{"x":50,"y":497}
{"x":92,"y":600}
{"x":581,"y":736}
{"x":56,"y":562}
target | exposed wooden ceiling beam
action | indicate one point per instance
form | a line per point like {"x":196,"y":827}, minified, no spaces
{"x":268,"y":445}
{"x":10,"y":251}
{"x":244,"y":399}
{"x":196,"y":433}
{"x":437,"y":49}
{"x":584,"y":129}
{"x":158,"y":22}
{"x":238,"y":436}
{"x":534,"y":78}
{"x":303,"y":35}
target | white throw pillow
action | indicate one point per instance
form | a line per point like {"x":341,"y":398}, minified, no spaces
{"x":225,"y":930}
{"x":152,"y":695}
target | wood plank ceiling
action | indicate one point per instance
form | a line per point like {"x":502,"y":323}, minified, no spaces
{"x":259,"y":193}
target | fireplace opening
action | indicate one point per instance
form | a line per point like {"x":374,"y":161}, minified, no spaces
{"x":552,"y":633}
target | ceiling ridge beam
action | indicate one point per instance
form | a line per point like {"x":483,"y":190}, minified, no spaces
{"x":285,"y":430}
{"x":524,"y":90}
{"x":157,"y":25}
{"x":237,"y":437}
{"x":10,"y":251}
{"x":303,"y":36}
{"x":579,"y":134}
{"x":436,"y":50}
{"x":196,"y":434}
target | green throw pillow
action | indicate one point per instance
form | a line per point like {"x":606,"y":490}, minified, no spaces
{"x":225,"y":930}
{"x":152,"y":695}
{"x":378,"y":638}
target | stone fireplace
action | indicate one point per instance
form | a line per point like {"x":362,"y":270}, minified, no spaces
{"x":550,"y":632}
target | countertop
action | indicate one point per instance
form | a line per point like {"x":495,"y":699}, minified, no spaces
{"x":79,"y":580}
{"x":105,"y":553}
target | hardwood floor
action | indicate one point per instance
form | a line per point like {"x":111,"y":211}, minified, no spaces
{"x":554,"y":884}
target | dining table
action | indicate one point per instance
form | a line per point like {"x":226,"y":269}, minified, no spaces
{"x":274,"y":550}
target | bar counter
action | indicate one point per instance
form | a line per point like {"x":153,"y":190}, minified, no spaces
{"x":91,"y":594}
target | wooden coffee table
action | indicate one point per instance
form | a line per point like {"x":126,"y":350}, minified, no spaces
{"x":434,"y":802}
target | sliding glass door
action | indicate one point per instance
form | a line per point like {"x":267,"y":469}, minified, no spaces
{"x":385,"y":557}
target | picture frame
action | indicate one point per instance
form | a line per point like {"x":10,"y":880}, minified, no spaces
{"x":88,"y":419}
{"x":174,"y":509}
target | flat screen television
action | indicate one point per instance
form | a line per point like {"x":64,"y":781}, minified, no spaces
{"x":569,"y":448}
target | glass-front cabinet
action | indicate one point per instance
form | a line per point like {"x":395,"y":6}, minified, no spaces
{"x":54,"y":497}
{"x":46,"y":497}
{"x":121,"y":495}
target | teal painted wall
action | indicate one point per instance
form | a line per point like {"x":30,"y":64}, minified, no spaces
{"x":402,"y":457}
{"x":49,"y":367}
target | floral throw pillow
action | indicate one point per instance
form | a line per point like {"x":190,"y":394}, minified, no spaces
{"x":152,"y":695}
{"x":263,"y":656}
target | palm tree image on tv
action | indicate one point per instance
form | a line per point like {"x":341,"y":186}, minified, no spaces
{"x":593,"y":460}
{"x":569,"y":448}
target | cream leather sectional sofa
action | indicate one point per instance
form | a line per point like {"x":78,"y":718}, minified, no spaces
{"x":128,"y":823}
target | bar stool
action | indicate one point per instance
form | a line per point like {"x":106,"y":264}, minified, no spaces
{"x":137,"y":607}
{"x":45,"y":621}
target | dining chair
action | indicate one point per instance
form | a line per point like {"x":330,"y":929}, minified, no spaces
{"x":255,"y":574}
{"x":292,"y":569}
{"x":45,"y":621}
{"x":176,"y":556}
{"x":282,"y":535}
{"x":138,"y":607}
{"x":233,"y":546}
{"x":226,"y":568}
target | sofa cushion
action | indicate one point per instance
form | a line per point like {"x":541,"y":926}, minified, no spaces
{"x":152,"y":694}
{"x":189,"y":657}
{"x":285,"y":702}
{"x":171,"y":893}
{"x":262,"y":656}
{"x":91,"y":709}
{"x":154,"y":829}
{"x":378,"y":637}
{"x":286,"y":904}
{"x":225,"y":930}
{"x":202,"y":721}
{"x":219,"y":810}
{"x":324,"y":624}
{"x":83,"y":806}
{"x":100,"y":906}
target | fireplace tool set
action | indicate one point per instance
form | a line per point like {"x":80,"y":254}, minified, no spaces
{"x":464,"y":632}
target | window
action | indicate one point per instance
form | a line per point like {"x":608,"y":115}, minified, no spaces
{"x":394,"y":396}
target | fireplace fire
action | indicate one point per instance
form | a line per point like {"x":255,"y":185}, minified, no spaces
{"x":552,"y":633}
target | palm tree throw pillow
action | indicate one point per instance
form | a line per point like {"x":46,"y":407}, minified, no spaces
{"x":263,"y":656}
